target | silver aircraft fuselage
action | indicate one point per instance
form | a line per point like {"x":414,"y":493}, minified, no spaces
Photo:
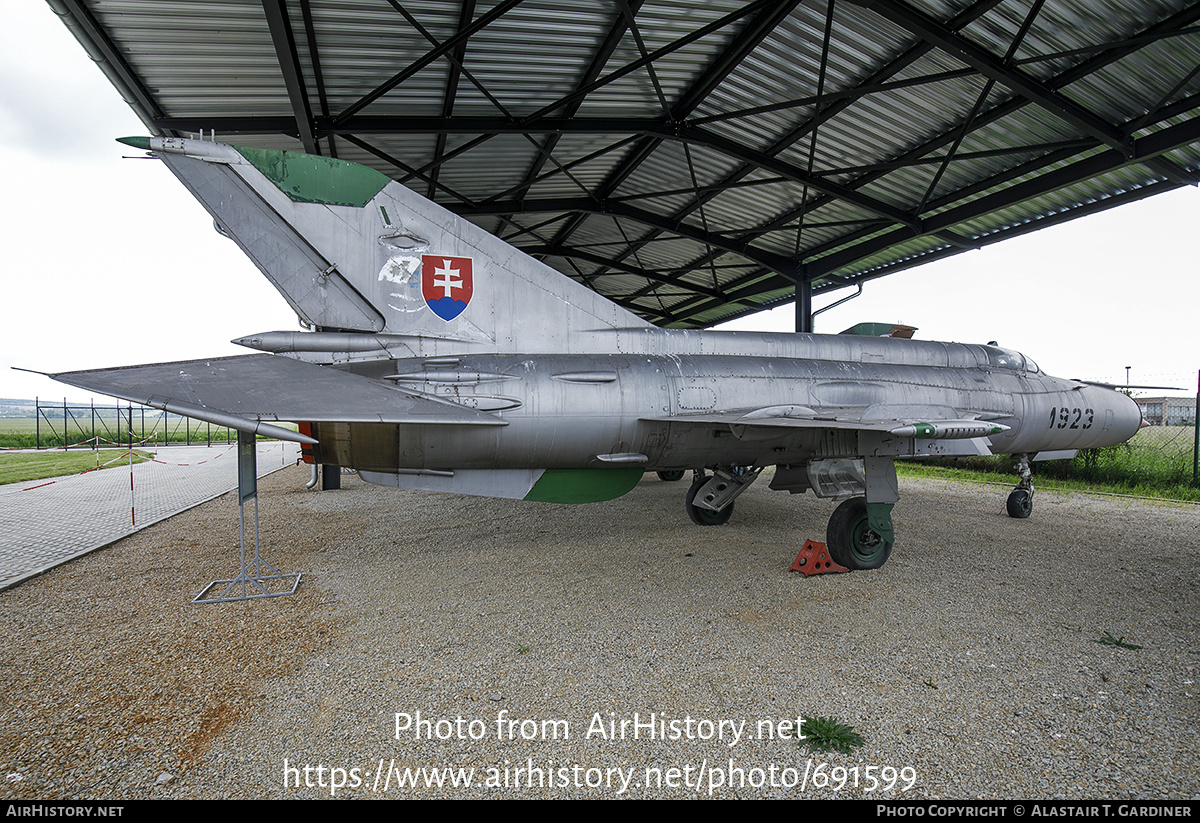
{"x":662,"y":411}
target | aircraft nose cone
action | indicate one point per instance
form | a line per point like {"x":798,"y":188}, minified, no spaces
{"x":1129,"y":418}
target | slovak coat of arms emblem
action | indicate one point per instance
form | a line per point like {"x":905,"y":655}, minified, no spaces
{"x":446,"y":284}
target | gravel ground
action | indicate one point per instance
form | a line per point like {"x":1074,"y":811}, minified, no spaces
{"x":969,"y":663}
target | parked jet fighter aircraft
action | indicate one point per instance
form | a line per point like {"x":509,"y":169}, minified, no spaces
{"x":441,"y":358}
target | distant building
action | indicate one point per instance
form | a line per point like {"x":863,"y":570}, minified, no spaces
{"x":1168,"y":411}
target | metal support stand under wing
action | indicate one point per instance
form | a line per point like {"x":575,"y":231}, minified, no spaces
{"x":255,"y":579}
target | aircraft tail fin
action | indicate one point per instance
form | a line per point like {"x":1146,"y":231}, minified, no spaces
{"x":352,"y":250}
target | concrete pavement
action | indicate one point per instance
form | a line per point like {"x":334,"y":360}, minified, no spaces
{"x":44,"y":523}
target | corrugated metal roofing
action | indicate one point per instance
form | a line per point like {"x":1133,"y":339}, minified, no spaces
{"x":694,"y":160}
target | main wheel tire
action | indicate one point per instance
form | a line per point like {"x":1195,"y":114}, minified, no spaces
{"x":671,"y":476}
{"x":851,"y":541}
{"x":701,"y":516}
{"x":1020,"y":504}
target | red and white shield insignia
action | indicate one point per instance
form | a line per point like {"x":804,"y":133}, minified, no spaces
{"x":446,"y":284}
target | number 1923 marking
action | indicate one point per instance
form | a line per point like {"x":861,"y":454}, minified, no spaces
{"x":1065,"y":418}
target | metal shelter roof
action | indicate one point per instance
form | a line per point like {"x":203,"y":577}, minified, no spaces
{"x":694,"y":160}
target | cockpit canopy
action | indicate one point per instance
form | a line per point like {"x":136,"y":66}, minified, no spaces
{"x":1008,"y":359}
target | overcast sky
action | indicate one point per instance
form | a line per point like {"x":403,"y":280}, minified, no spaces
{"x":109,"y":261}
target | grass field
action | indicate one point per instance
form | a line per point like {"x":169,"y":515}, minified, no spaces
{"x":21,"y":468}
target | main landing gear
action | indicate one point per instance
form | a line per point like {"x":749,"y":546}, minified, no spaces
{"x":709,"y":500}
{"x":859,"y":534}
{"x":1020,"y":500}
{"x":855,"y":539}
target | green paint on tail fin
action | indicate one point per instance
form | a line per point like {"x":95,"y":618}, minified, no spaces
{"x":307,"y":178}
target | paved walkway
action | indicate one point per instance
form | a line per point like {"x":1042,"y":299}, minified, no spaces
{"x":44,"y":523}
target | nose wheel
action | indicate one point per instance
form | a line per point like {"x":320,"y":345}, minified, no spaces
{"x":1020,"y":503}
{"x":1020,"y":499}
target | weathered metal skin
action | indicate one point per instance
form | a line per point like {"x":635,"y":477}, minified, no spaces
{"x":442,"y":359}
{"x":565,"y":410}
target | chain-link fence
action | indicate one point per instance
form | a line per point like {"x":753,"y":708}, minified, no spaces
{"x":65,"y":425}
{"x":1157,"y":457}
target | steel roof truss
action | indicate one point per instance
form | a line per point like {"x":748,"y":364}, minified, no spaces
{"x":613,"y":39}
{"x":1147,"y":147}
{"x":911,"y":55}
{"x":310,"y":36}
{"x":1005,"y":109}
{"x":284,"y":42}
{"x":984,"y":62}
{"x":793,"y":221}
{"x":499,"y":10}
{"x":106,"y":54}
{"x":466,"y":11}
{"x":657,"y":54}
{"x":738,"y":50}
{"x":1128,"y":43}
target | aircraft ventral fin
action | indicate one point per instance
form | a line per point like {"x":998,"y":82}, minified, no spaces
{"x":241,"y":392}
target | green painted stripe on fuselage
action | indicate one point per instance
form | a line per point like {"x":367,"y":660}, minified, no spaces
{"x":583,"y":485}
{"x":307,"y":178}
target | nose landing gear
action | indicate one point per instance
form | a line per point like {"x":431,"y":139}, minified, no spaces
{"x":1020,"y":500}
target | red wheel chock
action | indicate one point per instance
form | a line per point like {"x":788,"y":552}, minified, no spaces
{"x":814,"y":559}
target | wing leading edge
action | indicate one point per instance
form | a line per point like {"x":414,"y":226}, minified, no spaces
{"x":249,"y":392}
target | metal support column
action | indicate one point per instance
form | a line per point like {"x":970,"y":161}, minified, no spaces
{"x":1196,"y":438}
{"x":804,"y":306}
